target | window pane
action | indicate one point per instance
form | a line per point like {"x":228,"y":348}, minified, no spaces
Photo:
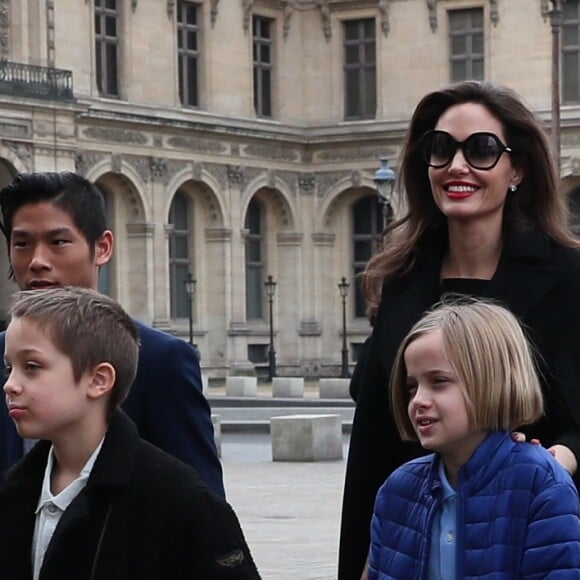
{"x":353,"y":108}
{"x":457,"y":20}
{"x":192,"y":40}
{"x":477,"y":43}
{"x":477,"y":69}
{"x":370,"y":52}
{"x":181,"y":307}
{"x":254,"y":291}
{"x":476,"y":18}
{"x":570,"y":35}
{"x":181,"y":247}
{"x":111,"y":26}
{"x":351,"y":54}
{"x":458,"y":71}
{"x":191,"y":13}
{"x":265,"y":53}
{"x":97,"y":24}
{"x":362,"y":251}
{"x":369,"y":28}
{"x":370,"y":93}
{"x":570,"y":80}
{"x":253,"y":218}
{"x":351,"y":30}
{"x":192,"y":82}
{"x":266,"y":94}
{"x":458,"y":44}
{"x":112,"y":88}
{"x":111,"y":4}
{"x":254,"y":250}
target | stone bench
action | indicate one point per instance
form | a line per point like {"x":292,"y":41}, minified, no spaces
{"x":334,"y":388}
{"x":306,"y":437}
{"x":217,"y":433}
{"x":241,"y":386}
{"x":287,"y":387}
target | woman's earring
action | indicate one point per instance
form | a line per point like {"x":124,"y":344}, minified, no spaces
{"x":513,"y":188}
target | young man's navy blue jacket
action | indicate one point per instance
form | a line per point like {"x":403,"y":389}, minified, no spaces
{"x":165,"y":402}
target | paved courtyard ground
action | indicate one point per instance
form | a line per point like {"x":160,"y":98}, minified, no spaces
{"x":290,"y":512}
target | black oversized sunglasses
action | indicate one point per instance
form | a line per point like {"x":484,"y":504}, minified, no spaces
{"x":480,"y":150}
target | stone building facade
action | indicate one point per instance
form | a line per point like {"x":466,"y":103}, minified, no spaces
{"x":236,"y":139}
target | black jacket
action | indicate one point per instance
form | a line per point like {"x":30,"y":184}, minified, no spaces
{"x":537,"y":280}
{"x":143,"y":515}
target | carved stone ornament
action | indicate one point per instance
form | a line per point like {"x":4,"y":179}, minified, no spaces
{"x":213,"y":13}
{"x":4,"y":29}
{"x":325,"y":16}
{"x":432,"y":7}
{"x":235,"y":175}
{"x":493,"y":12}
{"x":23,"y":151}
{"x":158,"y":167}
{"x":247,"y":6}
{"x":383,"y":7}
{"x":306,"y":183}
{"x":356,"y":178}
{"x":287,"y":17}
{"x":114,"y":135}
{"x":116,"y":162}
{"x":84,"y":161}
{"x":171,"y":8}
{"x":133,"y":5}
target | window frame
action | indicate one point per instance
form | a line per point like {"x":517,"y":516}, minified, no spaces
{"x":469,"y":57}
{"x":263,"y":70}
{"x":363,"y":67}
{"x":186,"y":55}
{"x":175,"y":262}
{"x":102,"y":42}
{"x":569,"y":49}
{"x":259,"y":237}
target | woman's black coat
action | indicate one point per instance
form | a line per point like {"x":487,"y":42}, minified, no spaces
{"x":537,"y":280}
{"x":143,"y":515}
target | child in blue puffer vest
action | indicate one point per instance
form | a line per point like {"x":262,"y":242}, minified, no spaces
{"x":482,"y":505}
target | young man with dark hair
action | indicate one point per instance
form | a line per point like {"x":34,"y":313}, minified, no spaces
{"x":55,"y":227}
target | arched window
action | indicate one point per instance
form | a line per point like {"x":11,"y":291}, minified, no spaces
{"x":367,"y":227}
{"x":179,"y":263}
{"x":254,"y":260}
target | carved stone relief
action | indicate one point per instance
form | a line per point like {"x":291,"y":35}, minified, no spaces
{"x":545,"y":8}
{"x":115,"y":135}
{"x":86,"y":160}
{"x":218,"y":235}
{"x":23,"y":151}
{"x":309,"y":328}
{"x":235,"y":175}
{"x":17,"y":129}
{"x":325,"y":17}
{"x":133,"y":6}
{"x":269,"y":152}
{"x":432,"y":7}
{"x":116,"y":162}
{"x":356,"y":178}
{"x":326,"y":181}
{"x":50,"y":33}
{"x":289,"y":238}
{"x":171,"y":8}
{"x":219,"y":172}
{"x":4,"y":29}
{"x":287,"y":17}
{"x":247,"y":6}
{"x":383,"y":7}
{"x":323,"y":239}
{"x":197,"y":145}
{"x":307,"y":183}
{"x":213,"y":13}
{"x":354,"y":154}
{"x":140,"y":229}
{"x":494,"y":11}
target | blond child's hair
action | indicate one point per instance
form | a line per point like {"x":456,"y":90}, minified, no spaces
{"x":492,"y":358}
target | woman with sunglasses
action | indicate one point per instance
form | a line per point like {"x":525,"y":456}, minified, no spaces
{"x":484,"y":218}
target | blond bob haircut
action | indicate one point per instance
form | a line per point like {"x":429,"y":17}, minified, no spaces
{"x":492,"y":359}
{"x":89,"y":328}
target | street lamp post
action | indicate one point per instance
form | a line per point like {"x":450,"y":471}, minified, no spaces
{"x":385,"y":181}
{"x":343,"y":289}
{"x":270,"y":291}
{"x":556,"y":25}
{"x":190,"y":283}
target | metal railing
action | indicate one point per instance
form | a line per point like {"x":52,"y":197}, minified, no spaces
{"x":26,"y":80}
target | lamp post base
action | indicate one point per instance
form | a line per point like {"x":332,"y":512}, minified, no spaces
{"x":344,"y":374}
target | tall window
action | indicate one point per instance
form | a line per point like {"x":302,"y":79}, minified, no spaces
{"x":107,"y":45}
{"x":574,"y":208}
{"x":367,"y":226}
{"x":254,"y":260}
{"x":188,"y":52}
{"x":466,"y":44}
{"x":179,"y":255}
{"x":262,"y":46}
{"x":360,"y":69}
{"x":571,"y":51}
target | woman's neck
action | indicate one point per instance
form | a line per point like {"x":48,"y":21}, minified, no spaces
{"x":473,"y":252}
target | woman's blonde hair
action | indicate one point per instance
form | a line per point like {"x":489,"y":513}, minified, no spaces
{"x":492,"y":358}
